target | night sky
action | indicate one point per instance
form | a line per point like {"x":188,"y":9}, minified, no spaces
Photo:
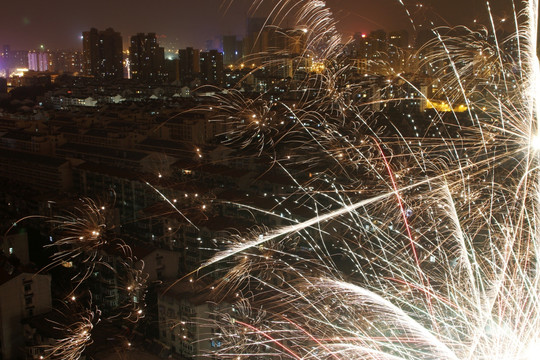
{"x":59,"y":24}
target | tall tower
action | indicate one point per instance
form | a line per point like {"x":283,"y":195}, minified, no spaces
{"x":398,"y":43}
{"x":146,"y":57}
{"x":90,"y":52}
{"x":256,"y":40}
{"x":189,"y":64}
{"x":212,"y":67}
{"x":232,"y":50}
{"x":102,"y":52}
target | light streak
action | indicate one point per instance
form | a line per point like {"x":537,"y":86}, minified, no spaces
{"x":77,"y":336}
{"x":461,"y":194}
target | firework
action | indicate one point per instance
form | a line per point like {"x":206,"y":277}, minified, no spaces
{"x":433,"y":254}
{"x":77,"y":336}
{"x":81,"y":235}
{"x":132,"y":281}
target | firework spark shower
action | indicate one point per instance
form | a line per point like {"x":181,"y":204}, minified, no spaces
{"x":415,"y":238}
{"x":433,"y":254}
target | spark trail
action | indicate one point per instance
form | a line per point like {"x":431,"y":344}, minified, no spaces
{"x":423,"y":243}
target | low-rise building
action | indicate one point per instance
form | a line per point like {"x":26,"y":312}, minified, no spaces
{"x":29,"y":295}
{"x":186,"y":318}
{"x":36,"y":171}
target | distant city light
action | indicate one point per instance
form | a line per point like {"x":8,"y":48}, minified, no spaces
{"x":19,"y":72}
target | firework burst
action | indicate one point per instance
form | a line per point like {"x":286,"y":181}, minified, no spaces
{"x":77,"y":336}
{"x":433,"y":254}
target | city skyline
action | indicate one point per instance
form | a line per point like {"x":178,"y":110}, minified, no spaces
{"x":321,"y":179}
{"x":202,"y":26}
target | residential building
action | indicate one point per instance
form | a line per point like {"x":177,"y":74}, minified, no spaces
{"x":185,"y":313}
{"x":232,"y":50}
{"x":212,"y":68}
{"x":147,"y":58}
{"x":29,"y":295}
{"x":66,"y":61}
{"x":189,"y":64}
{"x":38,"y":61}
{"x":36,"y":171}
{"x":102,"y":53}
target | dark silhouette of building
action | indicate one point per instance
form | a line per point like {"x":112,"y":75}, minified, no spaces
{"x":370,"y":50}
{"x":232,"y":49}
{"x":3,"y":85}
{"x":255,"y":24}
{"x":398,"y":49}
{"x":102,"y":52}
{"x":212,"y":68}
{"x":172,"y":70}
{"x":422,"y":37}
{"x":66,"y":61}
{"x":398,"y":39}
{"x":257,"y":40}
{"x":189,"y":64}
{"x":90,"y":52}
{"x":147,"y":58}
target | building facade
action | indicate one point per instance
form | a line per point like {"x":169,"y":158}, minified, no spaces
{"x":147,"y":58}
{"x":189,"y":64}
{"x":102,"y":53}
{"x":29,"y":295}
{"x":212,"y":68}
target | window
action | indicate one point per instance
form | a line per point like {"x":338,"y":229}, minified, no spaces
{"x":28,"y":300}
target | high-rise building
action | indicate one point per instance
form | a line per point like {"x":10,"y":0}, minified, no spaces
{"x":91,"y":52}
{"x":102,"y":52}
{"x":232,"y":50}
{"x":66,"y":61}
{"x":399,"y":39}
{"x":172,"y":70}
{"x":269,"y":41}
{"x":398,"y":49}
{"x":38,"y":61}
{"x":189,"y":64}
{"x":296,"y":41}
{"x":212,"y":68}
{"x":255,"y":24}
{"x":257,"y":37}
{"x":370,"y":50}
{"x":147,"y":58}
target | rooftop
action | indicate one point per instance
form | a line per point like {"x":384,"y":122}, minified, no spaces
{"x":31,"y":158}
{"x":103,"y":151}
